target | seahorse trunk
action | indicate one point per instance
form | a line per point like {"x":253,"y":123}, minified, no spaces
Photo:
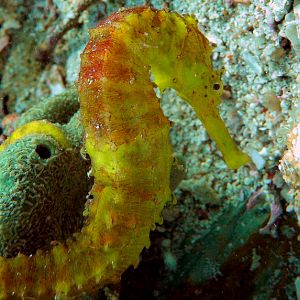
{"x":127,"y":135}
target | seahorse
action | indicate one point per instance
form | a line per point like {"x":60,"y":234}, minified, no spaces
{"x":127,"y":140}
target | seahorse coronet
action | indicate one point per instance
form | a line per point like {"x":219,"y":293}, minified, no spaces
{"x":127,"y":139}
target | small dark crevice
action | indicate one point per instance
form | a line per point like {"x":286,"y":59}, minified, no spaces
{"x":43,"y":151}
{"x":250,"y":29}
{"x":285,"y":44}
{"x":5,"y":105}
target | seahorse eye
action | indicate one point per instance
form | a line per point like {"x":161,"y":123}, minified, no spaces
{"x":43,"y":151}
{"x":216,"y":86}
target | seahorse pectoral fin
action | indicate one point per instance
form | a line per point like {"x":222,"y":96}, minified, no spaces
{"x":217,"y":130}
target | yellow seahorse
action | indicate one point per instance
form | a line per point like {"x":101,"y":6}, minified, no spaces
{"x":127,"y":139}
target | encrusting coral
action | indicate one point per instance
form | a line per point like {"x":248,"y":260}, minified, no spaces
{"x":43,"y":189}
{"x":127,"y":139}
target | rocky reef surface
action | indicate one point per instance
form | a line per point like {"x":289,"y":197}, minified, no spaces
{"x":233,"y":234}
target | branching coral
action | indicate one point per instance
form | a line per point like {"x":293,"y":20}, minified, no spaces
{"x":57,"y":32}
{"x":127,"y":139}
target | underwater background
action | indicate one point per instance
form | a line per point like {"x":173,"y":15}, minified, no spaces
{"x":232,"y":234}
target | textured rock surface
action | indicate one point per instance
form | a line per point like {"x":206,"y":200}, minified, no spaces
{"x":42,"y":190}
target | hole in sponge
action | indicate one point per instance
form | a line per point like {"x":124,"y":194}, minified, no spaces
{"x":43,"y":151}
